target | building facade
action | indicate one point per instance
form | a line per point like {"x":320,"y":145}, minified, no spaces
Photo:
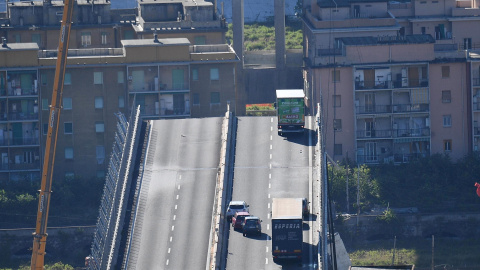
{"x":166,"y":77}
{"x":397,"y":80}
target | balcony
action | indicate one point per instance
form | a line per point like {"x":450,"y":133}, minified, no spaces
{"x":372,"y":109}
{"x":412,"y":132}
{"x":20,"y":166}
{"x":393,"y":133}
{"x":476,"y":81}
{"x":396,"y":108}
{"x":19,"y":141}
{"x":402,"y":108}
{"x":405,"y":158}
{"x":391,"y":84}
{"x":374,"y":133}
{"x":20,"y":116}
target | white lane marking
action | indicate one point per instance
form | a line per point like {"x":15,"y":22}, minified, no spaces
{"x":266,"y":261}
{"x":175,"y":207}
{"x":178,"y":196}
{"x":168,"y":250}
{"x":269,"y":185}
{"x":271,"y":137}
{"x":271,"y":120}
{"x":271,"y":128}
{"x":270,"y":166}
{"x":266,"y":249}
{"x":268,"y":216}
{"x":270,"y":147}
{"x":268,"y":227}
{"x":269,"y":176}
{"x":180,"y":177}
{"x":167,"y":261}
{"x":270,"y":156}
{"x":179,"y":185}
{"x":173,"y":227}
{"x":174,"y":217}
{"x":269,"y":195}
{"x":171,"y":238}
{"x":268,"y":205}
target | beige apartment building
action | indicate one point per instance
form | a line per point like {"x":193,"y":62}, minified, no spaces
{"x":397,"y":80}
{"x":169,"y":57}
{"x":167,"y":77}
{"x":97,"y":25}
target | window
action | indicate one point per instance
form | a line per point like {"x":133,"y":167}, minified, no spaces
{"x":446,"y":96}
{"x":68,"y":152}
{"x":337,"y":149}
{"x":67,"y":103}
{"x":195,"y":74}
{"x":100,"y":153}
{"x":98,"y":102}
{"x":447,"y":145}
{"x":104,"y":38}
{"x":336,"y":75}
{"x":98,"y":77}
{"x":37,"y":39}
{"x":337,"y":124}
{"x":215,"y":98}
{"x":45,"y":129}
{"x":43,"y":77}
{"x":196,"y":99}
{"x":120,"y":77}
{"x":68,"y":79}
{"x":99,"y":127}
{"x":68,"y":128}
{"x":86,"y":39}
{"x":445,"y":71}
{"x":337,"y":101}
{"x":214,"y":75}
{"x":121,"y":102}
{"x":45,"y":105}
{"x":200,"y":40}
{"x":447,"y":120}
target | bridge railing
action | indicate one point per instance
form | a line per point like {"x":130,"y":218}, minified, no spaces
{"x":105,"y":246}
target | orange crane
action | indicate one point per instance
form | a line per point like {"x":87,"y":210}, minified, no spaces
{"x":40,"y":235}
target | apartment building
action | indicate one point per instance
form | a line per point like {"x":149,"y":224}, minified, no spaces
{"x":167,"y":77}
{"x":394,"y":78}
{"x":97,"y":25}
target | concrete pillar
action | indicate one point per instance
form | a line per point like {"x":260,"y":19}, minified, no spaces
{"x":238,"y":21}
{"x":279,"y":14}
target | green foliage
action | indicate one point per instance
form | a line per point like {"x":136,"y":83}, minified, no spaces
{"x":432,"y":184}
{"x":261,"y":36}
{"x":388,"y":217}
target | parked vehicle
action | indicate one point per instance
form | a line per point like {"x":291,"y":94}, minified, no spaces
{"x":252,"y":225}
{"x":290,"y":107}
{"x":287,"y":232}
{"x":236,"y":206}
{"x":238,"y":218}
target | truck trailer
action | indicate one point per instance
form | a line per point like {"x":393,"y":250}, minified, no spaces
{"x":290,"y":107}
{"x":287,"y":231}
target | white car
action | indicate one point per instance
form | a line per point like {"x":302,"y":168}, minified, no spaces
{"x":236,"y":206}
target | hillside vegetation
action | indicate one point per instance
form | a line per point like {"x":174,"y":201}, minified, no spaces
{"x":259,"y":36}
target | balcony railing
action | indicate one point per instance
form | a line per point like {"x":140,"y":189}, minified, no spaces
{"x":476,"y":81}
{"x":393,"y":133}
{"x":401,"y":108}
{"x":17,"y":141}
{"x":404,"y":83}
{"x":405,"y":158}
{"x":14,"y":116}
{"x":396,"y":108}
{"x":396,"y":158}
{"x":20,"y":166}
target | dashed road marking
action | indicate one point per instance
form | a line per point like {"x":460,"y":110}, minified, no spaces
{"x":167,"y":262}
{"x":174,"y":217}
{"x":178,"y":196}
{"x":168,"y":250}
{"x":173,"y":227}
{"x":171,"y":238}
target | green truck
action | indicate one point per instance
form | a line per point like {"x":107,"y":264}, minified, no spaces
{"x":290,"y":107}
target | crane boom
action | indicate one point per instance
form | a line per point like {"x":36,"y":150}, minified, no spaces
{"x":40,"y":235}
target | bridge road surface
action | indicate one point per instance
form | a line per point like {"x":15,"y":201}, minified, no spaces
{"x":267,"y":166}
{"x":175,"y":203}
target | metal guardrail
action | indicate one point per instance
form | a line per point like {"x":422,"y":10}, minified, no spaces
{"x":112,"y":207}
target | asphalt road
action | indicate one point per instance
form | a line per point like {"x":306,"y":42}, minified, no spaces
{"x":267,"y":166}
{"x":175,"y":204}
